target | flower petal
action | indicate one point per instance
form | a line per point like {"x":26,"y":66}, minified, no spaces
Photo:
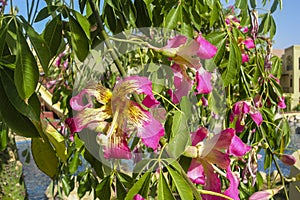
{"x":203,"y":79}
{"x":256,"y":116}
{"x":118,"y":150}
{"x":138,"y":197}
{"x":196,"y":172}
{"x":287,"y":159}
{"x":206,"y":49}
{"x":245,"y":57}
{"x":182,"y":84}
{"x":199,"y":135}
{"x":238,"y":147}
{"x":176,"y":42}
{"x":249,"y":43}
{"x":281,"y":103}
{"x":150,"y":130}
{"x":232,"y":191}
{"x":140,"y":85}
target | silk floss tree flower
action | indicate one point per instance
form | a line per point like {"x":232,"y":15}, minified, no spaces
{"x":186,"y":56}
{"x":212,"y":153}
{"x":116,"y":117}
{"x":239,"y":113}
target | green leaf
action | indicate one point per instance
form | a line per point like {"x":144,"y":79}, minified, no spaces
{"x":65,"y":185}
{"x":41,"y":47}
{"x":182,"y":186}
{"x":74,"y":163}
{"x":56,"y":139}
{"x":180,"y":135}
{"x":163,"y":191}
{"x":44,"y":157}
{"x":103,"y":189}
{"x":142,"y":15}
{"x":45,"y":12}
{"x":172,"y":18}
{"x":140,"y":187}
{"x":19,"y":124}
{"x":80,"y":42}
{"x":272,"y":27}
{"x":26,"y":109}
{"x":8,"y":61}
{"x":274,"y":6}
{"x":26,"y":72}
{"x":215,"y":13}
{"x":234,"y":63}
{"x":121,"y":190}
{"x":3,"y":136}
{"x":84,"y":23}
{"x":253,"y":4}
{"x":53,"y":34}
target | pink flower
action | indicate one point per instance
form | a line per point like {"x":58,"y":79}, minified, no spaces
{"x":116,"y":115}
{"x":245,"y":57}
{"x":240,"y":110}
{"x":184,"y":57}
{"x":215,"y":151}
{"x":204,"y":101}
{"x":281,"y":103}
{"x":138,"y":197}
{"x":265,"y":195}
{"x":249,"y":43}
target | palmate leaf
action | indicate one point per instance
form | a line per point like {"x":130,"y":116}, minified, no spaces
{"x":103,"y":189}
{"x":26,"y":72}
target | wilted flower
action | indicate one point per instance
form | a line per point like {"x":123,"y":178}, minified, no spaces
{"x":117,"y":116}
{"x":287,"y":159}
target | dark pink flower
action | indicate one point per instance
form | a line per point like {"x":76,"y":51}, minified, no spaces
{"x":240,"y":110}
{"x":232,"y":191}
{"x":245,"y":57}
{"x":138,"y":197}
{"x":204,"y":101}
{"x":215,"y":151}
{"x":249,"y":43}
{"x":287,"y":159}
{"x":281,"y":103}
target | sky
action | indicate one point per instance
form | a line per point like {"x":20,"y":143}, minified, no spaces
{"x":287,"y":21}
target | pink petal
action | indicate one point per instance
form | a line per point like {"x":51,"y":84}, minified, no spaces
{"x":206,"y":49}
{"x":176,"y":42}
{"x":232,"y":191}
{"x":212,"y":181}
{"x":238,"y":125}
{"x":117,"y":151}
{"x":138,"y":197}
{"x":238,"y":147}
{"x":241,"y":107}
{"x":204,"y":101}
{"x":265,"y":195}
{"x":287,"y":159}
{"x":245,"y":58}
{"x":249,"y":43}
{"x":256,"y":117}
{"x":219,"y":158}
{"x":196,"y":172}
{"x":222,"y":140}
{"x":182,"y":84}
{"x":77,"y":103}
{"x":199,"y":135}
{"x":281,"y":103}
{"x":203,"y":80}
{"x":151,"y":132}
{"x":138,"y":84}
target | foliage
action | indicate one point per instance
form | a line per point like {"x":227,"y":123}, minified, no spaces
{"x":39,"y":72}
